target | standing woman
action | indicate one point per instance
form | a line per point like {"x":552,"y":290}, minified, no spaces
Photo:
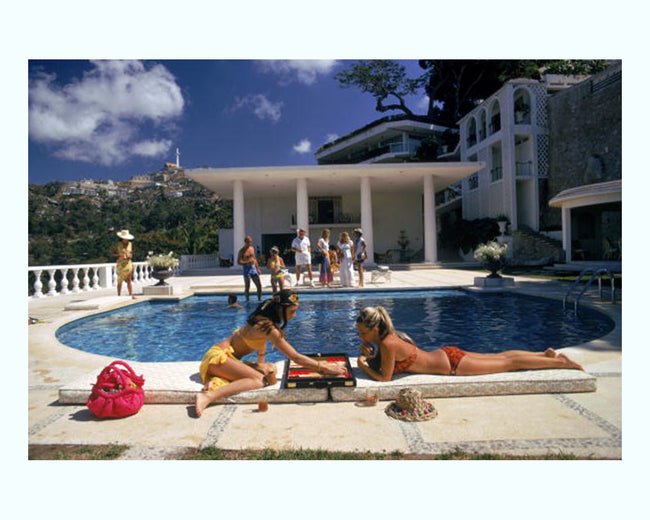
{"x":360,"y":253}
{"x":398,"y":353}
{"x":275,"y":265}
{"x":124,"y":267}
{"x":345,"y":249}
{"x":323,"y":246}
{"x":224,"y":374}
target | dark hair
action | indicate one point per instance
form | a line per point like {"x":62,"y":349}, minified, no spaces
{"x":232,"y":298}
{"x":273,"y":311}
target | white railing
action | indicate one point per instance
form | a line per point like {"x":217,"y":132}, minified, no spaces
{"x":66,"y":279}
{"x":199,"y":262}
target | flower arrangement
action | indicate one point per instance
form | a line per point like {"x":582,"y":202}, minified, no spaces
{"x":168,"y":261}
{"x":493,"y":256}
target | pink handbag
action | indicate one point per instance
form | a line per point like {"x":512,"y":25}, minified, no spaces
{"x":117,"y":393}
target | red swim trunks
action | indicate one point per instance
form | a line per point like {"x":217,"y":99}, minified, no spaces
{"x":454,"y":354}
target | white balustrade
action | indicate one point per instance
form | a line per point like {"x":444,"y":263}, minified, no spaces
{"x":103,"y":276}
{"x":189,"y":262}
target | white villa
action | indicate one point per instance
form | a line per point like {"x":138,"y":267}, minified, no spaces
{"x":270,"y":203}
{"x":502,"y":164}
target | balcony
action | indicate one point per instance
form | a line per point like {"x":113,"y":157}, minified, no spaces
{"x":496,"y":174}
{"x":524,"y":169}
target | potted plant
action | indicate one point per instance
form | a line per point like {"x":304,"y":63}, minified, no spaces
{"x":163,"y":266}
{"x":492,"y":256}
{"x":502,"y":221}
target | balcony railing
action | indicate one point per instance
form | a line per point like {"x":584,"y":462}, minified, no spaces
{"x":57,"y":280}
{"x":524,"y":169}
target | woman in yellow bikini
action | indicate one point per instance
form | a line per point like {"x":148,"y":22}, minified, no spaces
{"x":276,"y":265}
{"x":222,"y":372}
{"x":398,"y":353}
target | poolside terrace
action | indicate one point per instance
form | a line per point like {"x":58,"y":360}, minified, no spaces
{"x":586,"y":422}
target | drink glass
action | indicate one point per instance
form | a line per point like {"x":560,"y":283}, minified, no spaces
{"x":262,"y":405}
{"x":372,"y":396}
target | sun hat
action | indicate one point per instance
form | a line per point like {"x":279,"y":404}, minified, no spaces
{"x":410,"y":406}
{"x":358,"y":230}
{"x":124,"y":233}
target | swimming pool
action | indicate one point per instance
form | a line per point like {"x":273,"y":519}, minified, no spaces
{"x":182,"y":331}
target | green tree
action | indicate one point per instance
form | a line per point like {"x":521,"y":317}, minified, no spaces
{"x":453,"y":87}
{"x":386,"y":81}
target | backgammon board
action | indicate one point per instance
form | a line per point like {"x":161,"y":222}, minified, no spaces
{"x":296,"y":376}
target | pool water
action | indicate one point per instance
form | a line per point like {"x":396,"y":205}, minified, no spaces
{"x":183,"y":331}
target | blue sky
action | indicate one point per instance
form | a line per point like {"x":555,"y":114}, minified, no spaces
{"x":108,"y":119}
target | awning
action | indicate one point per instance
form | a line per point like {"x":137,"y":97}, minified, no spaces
{"x":588,"y":195}
{"x":324,"y":180}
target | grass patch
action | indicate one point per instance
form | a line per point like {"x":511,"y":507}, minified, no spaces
{"x":114,"y":451}
{"x":75,"y":451}
{"x":269,"y":454}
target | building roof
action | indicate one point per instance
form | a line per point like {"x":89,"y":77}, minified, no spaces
{"x":331,"y":179}
{"x":588,"y":195}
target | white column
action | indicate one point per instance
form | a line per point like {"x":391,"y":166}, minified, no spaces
{"x":302,"y":205}
{"x":366,"y":218}
{"x":238,"y":219}
{"x":430,"y":227}
{"x":566,"y":233}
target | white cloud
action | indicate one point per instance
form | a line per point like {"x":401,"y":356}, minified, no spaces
{"x":423,"y":104}
{"x":262,"y":107}
{"x":303,"y":146}
{"x":151,"y":148}
{"x":331,"y":138}
{"x":302,"y":71}
{"x":97,"y":118}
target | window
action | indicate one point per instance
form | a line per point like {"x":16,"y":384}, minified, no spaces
{"x":324,"y":210}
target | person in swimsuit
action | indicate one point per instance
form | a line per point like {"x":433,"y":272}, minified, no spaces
{"x":224,"y":374}
{"x":251,"y":269}
{"x":124,"y":268}
{"x":275,"y":265}
{"x":397,"y":352}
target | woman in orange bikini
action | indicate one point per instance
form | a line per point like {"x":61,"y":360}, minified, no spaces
{"x":222,"y":372}
{"x":398,"y":353}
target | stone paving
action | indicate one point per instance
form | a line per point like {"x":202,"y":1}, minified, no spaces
{"x":585,"y":424}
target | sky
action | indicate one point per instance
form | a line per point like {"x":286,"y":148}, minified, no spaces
{"x":112,"y":119}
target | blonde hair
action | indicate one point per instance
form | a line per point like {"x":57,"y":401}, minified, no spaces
{"x":378,"y":317}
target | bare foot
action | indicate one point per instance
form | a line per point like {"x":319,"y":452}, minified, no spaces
{"x":201,"y":402}
{"x":570,"y":363}
{"x":549,"y":352}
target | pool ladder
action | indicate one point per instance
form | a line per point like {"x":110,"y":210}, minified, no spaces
{"x":596,"y":273}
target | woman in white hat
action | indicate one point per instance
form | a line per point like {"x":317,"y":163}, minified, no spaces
{"x":124,"y":253}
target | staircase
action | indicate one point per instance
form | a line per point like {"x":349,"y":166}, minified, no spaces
{"x":533,"y":248}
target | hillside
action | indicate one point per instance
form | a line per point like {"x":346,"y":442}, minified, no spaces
{"x":75,"y":223}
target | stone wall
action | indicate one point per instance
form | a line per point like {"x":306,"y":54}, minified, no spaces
{"x":584,"y":136}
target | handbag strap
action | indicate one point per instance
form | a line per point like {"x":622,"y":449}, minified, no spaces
{"x":116,"y":368}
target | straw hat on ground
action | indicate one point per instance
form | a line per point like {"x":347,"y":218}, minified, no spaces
{"x":124,"y":233}
{"x":410,"y":406}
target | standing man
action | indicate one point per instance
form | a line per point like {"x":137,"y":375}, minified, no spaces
{"x":251,"y":270}
{"x":302,"y":247}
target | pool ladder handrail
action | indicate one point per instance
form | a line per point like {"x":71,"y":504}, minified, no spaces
{"x":595,"y":273}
